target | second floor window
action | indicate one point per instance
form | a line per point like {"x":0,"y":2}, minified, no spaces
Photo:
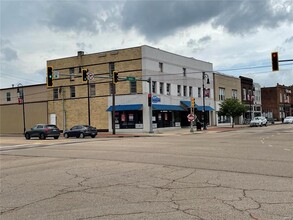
{"x":154,"y":87}
{"x":161,"y":88}
{"x":179,"y":90}
{"x":71,"y":74}
{"x":244,"y":94}
{"x":8,"y":96}
{"x":161,"y":67}
{"x":132,"y":87}
{"x":190,"y":91}
{"x":55,"y":93}
{"x":92,"y":90}
{"x":234,"y":94}
{"x":72,"y":91}
{"x":184,"y":90}
{"x":198,"y":92}
{"x":221,"y":94}
{"x":168,"y":88}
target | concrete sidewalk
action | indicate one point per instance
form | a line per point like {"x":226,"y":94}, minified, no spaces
{"x":162,"y":131}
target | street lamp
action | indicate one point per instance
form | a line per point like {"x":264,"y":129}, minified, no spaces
{"x":204,"y":76}
{"x":20,"y":94}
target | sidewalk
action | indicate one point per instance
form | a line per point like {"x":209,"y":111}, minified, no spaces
{"x":162,"y":132}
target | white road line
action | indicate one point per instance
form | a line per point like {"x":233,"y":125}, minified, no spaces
{"x":9,"y":146}
{"x":286,"y":149}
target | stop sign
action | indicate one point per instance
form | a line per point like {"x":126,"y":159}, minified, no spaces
{"x":190,"y":117}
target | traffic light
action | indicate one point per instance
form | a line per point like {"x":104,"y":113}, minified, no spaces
{"x":49,"y":76}
{"x":275,"y":61}
{"x":84,"y":74}
{"x":192,"y":102}
{"x":149,"y":100}
{"x":115,"y":77}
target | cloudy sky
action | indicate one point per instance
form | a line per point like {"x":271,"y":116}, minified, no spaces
{"x":237,"y":36}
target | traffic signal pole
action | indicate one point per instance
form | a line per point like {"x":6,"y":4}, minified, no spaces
{"x":88,"y":102}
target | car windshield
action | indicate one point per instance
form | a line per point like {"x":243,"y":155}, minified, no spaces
{"x":256,"y":118}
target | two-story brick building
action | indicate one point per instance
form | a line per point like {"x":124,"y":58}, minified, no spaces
{"x":277,"y":102}
{"x":174,"y":80}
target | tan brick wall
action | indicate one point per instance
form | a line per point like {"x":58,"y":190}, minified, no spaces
{"x":229,"y":83}
{"x":127,"y":63}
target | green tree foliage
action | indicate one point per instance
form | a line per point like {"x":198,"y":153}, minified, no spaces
{"x":232,"y":108}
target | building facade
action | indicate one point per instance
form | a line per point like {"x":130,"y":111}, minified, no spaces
{"x":171,"y":80}
{"x":21,"y":107}
{"x":226,"y":87}
{"x":247,"y":96}
{"x":277,"y":101}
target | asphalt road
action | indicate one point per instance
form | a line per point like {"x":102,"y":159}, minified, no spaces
{"x":241,"y":174}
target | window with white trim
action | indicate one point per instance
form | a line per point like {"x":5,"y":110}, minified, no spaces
{"x":221,"y":94}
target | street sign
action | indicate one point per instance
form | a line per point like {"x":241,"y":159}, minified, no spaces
{"x":130,"y":78}
{"x":90,"y":76}
{"x":191,"y":117}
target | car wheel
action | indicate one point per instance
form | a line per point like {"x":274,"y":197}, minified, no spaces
{"x":56,"y":137}
{"x":27,"y":136}
{"x":42,"y":136}
{"x":81,"y":135}
{"x":93,"y":136}
{"x":66,"y":135}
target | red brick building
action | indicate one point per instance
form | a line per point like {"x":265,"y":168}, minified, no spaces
{"x":277,"y":101}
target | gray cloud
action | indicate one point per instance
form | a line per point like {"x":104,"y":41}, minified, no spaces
{"x":8,"y":54}
{"x":289,"y":40}
{"x":157,"y":19}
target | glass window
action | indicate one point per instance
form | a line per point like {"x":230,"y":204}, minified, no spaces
{"x":161,"y":67}
{"x":72,"y":91}
{"x":168,"y":89}
{"x":179,"y":90}
{"x":244,"y":94}
{"x":92,"y":89}
{"x":133,"y":87}
{"x":190,"y":91}
{"x":161,"y":88}
{"x":8,"y":96}
{"x":198,"y":92}
{"x":55,"y":93}
{"x":184,"y":90}
{"x":154,"y":87}
{"x":221,"y":94}
{"x":234,"y":94}
{"x":71,"y":74}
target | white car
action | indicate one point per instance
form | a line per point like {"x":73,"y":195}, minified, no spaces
{"x":288,"y":120}
{"x":258,"y":121}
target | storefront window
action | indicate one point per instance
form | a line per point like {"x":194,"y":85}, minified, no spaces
{"x":129,"y":119}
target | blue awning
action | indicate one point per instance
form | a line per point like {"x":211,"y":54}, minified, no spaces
{"x":133,"y":107}
{"x":207,"y":108}
{"x":187,"y":104}
{"x":167,"y":107}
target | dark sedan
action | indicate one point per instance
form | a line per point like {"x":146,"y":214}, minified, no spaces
{"x":42,"y":131}
{"x":80,"y":131}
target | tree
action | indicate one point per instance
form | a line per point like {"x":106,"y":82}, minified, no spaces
{"x":232,"y":108}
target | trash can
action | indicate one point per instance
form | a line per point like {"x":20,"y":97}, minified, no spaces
{"x":198,"y":126}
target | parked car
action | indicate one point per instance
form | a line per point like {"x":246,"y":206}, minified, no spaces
{"x":42,"y":131}
{"x":271,"y":120}
{"x":258,"y":121}
{"x":288,"y":120}
{"x":80,"y":131}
